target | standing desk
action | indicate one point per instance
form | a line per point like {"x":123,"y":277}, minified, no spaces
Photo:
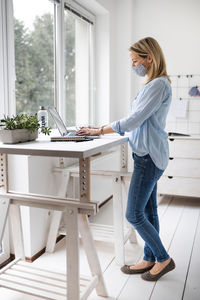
{"x":21,"y":276}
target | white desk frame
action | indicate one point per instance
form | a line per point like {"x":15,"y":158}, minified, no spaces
{"x":121,"y":230}
{"x":75,"y":211}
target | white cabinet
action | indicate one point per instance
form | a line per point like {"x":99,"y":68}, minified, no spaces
{"x":182,"y":176}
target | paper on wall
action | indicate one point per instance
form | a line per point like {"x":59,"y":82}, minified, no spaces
{"x":179,"y":108}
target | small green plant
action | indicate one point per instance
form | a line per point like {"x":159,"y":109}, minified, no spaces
{"x":23,"y":121}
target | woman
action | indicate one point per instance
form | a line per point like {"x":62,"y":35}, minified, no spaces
{"x":149,"y":143}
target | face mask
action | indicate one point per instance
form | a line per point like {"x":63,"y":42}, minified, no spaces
{"x":140,"y":70}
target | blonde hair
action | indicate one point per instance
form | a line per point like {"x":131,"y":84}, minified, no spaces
{"x":149,"y":46}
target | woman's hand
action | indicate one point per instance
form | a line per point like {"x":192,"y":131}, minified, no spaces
{"x":89,"y":131}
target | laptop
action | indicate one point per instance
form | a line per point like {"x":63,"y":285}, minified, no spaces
{"x":65,"y":134}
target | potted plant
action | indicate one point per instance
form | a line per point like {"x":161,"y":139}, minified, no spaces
{"x":20,"y":128}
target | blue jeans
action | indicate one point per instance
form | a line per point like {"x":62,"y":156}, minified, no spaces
{"x":142,"y":207}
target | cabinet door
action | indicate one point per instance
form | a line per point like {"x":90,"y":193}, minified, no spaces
{"x":183,"y":167}
{"x":184,"y":148}
{"x":179,"y":186}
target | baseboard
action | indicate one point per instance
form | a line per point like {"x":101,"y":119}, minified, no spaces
{"x":38,"y":254}
{"x":12,"y":257}
{"x":34,"y":257}
{"x":105,"y":201}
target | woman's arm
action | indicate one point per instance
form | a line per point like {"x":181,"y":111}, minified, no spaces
{"x":95,"y":130}
{"x":150,"y":101}
{"x":106,"y":129}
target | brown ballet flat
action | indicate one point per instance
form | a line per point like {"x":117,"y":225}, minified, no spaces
{"x":150,"y":277}
{"x":127,"y":270}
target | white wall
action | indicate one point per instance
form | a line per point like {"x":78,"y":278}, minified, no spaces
{"x":175,"y":24}
{"x":113,"y":68}
{"x":120,"y":33}
{"x":120,"y":61}
{"x":102,"y":67}
{"x":18,"y":181}
{"x":30,"y":174}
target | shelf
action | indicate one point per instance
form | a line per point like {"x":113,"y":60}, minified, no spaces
{"x":25,"y":278}
{"x":103,"y":233}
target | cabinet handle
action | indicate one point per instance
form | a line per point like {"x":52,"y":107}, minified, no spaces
{"x":171,"y":158}
{"x":170,"y":177}
{"x":171,"y":140}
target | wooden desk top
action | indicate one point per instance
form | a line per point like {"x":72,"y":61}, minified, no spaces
{"x":43,"y":147}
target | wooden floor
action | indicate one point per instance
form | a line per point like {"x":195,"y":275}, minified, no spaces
{"x":180,"y":233}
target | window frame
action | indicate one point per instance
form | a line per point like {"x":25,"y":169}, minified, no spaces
{"x":7,"y":86}
{"x":7,"y":58}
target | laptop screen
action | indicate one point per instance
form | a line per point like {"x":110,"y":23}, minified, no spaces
{"x":58,"y":121}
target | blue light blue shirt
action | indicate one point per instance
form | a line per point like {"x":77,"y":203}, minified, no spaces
{"x":146,"y":122}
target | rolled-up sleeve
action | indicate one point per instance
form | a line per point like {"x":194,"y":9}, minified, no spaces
{"x":116,"y":127}
{"x":149,"y":102}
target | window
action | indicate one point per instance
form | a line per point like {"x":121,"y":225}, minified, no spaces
{"x":78,"y":62}
{"x":53,"y":43}
{"x":34,"y":54}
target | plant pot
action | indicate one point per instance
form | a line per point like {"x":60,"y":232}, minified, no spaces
{"x":17,"y":136}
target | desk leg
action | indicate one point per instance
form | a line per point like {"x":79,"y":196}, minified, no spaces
{"x":72,"y":253}
{"x":53,"y":231}
{"x":118,"y":220}
{"x":16,"y":228}
{"x":93,"y":260}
